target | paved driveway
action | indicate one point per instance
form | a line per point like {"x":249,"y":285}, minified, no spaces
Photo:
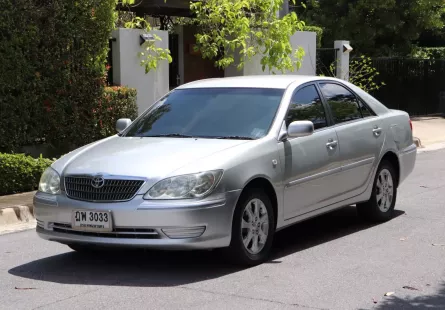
{"x":332,"y":262}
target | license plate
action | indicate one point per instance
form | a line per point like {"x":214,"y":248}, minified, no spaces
{"x":87,"y":220}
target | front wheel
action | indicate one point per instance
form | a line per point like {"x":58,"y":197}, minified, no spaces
{"x":253,"y":228}
{"x":380,"y":207}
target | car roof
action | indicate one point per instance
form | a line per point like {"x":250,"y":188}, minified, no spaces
{"x":254,"y":81}
{"x":280,"y":82}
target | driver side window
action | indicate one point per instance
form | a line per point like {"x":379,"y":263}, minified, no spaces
{"x":306,"y":105}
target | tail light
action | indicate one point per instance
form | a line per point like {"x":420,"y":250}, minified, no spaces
{"x":411,"y":124}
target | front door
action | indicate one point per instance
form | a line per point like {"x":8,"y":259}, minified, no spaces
{"x":359,"y":134}
{"x":310,"y":164}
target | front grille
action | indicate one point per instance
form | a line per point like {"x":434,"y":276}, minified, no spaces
{"x":124,"y":233}
{"x":81,"y":188}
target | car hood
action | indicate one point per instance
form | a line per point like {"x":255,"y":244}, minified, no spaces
{"x":140,"y":157}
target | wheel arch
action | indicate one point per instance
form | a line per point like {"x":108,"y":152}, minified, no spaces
{"x":392,"y":158}
{"x":260,"y":182}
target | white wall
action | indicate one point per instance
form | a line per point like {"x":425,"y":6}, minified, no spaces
{"x":127,"y":69}
{"x":306,"y":40}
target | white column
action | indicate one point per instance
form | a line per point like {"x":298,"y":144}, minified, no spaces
{"x":342,"y":61}
{"x":127,"y":69}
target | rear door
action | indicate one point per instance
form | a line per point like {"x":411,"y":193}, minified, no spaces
{"x":360,"y":137}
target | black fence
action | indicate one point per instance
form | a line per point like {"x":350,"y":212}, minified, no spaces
{"x":416,"y":86}
{"x":173,"y":45}
{"x":326,"y":60}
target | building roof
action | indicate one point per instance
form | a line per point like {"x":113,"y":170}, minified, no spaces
{"x":160,"y":7}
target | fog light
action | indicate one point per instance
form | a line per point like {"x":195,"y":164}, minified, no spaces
{"x":40,"y":223}
{"x":184,"y":232}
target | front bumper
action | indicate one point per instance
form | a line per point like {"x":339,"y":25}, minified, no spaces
{"x":204,"y":224}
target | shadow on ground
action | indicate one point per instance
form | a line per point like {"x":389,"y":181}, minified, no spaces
{"x":157,"y":268}
{"x":434,"y":301}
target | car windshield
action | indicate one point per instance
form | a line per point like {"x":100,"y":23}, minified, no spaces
{"x":223,"y":113}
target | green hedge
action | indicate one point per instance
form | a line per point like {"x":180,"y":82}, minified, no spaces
{"x":117,"y":102}
{"x":20,"y":173}
{"x":52,"y":70}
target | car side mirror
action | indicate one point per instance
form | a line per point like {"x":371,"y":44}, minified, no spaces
{"x":122,"y":123}
{"x":300,"y":129}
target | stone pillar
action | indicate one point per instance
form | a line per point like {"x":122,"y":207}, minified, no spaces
{"x":342,"y":62}
{"x":127,"y":69}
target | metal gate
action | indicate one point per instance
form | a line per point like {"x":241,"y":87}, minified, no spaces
{"x":416,"y":86}
{"x":326,"y":61}
{"x":173,"y":45}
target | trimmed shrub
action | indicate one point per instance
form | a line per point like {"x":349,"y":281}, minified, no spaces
{"x":117,"y":102}
{"x":20,"y":173}
{"x":52,"y":68}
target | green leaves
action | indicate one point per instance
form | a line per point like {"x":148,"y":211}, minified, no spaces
{"x":117,"y":102}
{"x":361,"y":73}
{"x":377,"y":28}
{"x":52,"y":71}
{"x":153,"y":54}
{"x":247,"y":28}
{"x":20,"y":173}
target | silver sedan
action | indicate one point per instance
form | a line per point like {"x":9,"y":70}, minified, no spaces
{"x":226,"y":163}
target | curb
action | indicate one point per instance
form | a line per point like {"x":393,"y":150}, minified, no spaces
{"x":432,"y":147}
{"x":16,"y":218}
{"x":417,"y":142}
{"x":17,"y":214}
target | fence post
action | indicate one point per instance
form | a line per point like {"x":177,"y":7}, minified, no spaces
{"x":342,"y":59}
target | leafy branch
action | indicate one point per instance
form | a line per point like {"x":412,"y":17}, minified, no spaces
{"x":152,"y":54}
{"x":361,"y":73}
{"x":233,"y":32}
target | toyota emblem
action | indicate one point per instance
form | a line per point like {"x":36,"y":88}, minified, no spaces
{"x":97,"y":182}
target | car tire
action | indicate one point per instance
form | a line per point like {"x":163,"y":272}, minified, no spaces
{"x":250,"y":245}
{"x":380,"y":207}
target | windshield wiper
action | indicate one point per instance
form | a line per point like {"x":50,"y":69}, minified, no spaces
{"x":173,"y":135}
{"x":235,"y":138}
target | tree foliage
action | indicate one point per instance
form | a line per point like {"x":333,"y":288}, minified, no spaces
{"x":152,"y":54}
{"x":233,"y":31}
{"x":381,"y":27}
{"x":52,"y":68}
{"x":361,"y":73}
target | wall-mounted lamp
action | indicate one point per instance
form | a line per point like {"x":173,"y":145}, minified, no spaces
{"x":146,"y":37}
{"x":347,"y":48}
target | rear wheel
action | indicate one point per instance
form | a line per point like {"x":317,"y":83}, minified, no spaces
{"x":253,"y":228}
{"x":380,"y":207}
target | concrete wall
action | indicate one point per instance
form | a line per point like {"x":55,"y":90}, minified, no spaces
{"x":127,"y":69}
{"x":306,"y":40}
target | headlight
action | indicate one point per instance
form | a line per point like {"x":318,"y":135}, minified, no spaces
{"x":50,"y":182}
{"x":185,"y":186}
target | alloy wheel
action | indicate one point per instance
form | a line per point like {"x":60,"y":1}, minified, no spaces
{"x":254,"y":226}
{"x":385,"y":190}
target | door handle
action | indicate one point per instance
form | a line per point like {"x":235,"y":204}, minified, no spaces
{"x":377,"y":131}
{"x":332,"y":144}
